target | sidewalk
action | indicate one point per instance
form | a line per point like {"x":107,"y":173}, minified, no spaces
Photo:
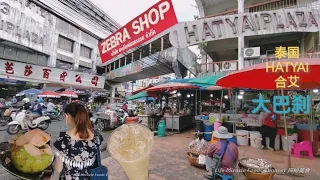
{"x":169,"y":161}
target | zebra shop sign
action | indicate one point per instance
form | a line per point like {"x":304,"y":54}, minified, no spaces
{"x":246,"y":24}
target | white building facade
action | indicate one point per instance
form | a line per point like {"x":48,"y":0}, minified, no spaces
{"x":61,"y":34}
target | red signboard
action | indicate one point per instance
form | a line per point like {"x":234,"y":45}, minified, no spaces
{"x":147,"y":25}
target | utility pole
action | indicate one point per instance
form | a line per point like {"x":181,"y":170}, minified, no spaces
{"x":240,"y":38}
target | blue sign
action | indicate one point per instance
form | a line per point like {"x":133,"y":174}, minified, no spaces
{"x":298,"y":104}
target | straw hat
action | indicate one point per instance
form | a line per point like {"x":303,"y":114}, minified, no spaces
{"x":222,"y":133}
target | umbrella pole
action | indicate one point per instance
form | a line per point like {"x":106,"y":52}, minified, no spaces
{"x":311,"y":120}
{"x":200,"y":106}
{"x":286,"y":134}
{"x":196,"y":103}
{"x":221,"y":105}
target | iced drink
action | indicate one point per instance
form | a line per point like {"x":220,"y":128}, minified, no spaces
{"x":130,"y":145}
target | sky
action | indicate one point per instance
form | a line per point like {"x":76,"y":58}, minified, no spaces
{"x":125,"y":10}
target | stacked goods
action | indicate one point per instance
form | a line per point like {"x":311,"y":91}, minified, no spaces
{"x":31,"y":153}
{"x":196,"y":148}
{"x":256,"y":169}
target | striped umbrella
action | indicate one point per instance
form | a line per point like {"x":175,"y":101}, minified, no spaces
{"x":69,"y":94}
{"x":49,"y":94}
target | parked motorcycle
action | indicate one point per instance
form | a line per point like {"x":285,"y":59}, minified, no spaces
{"x":21,"y":122}
{"x":57,"y":115}
{"x":5,"y":118}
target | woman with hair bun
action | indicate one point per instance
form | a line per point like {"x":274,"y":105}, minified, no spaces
{"x":76,"y":149}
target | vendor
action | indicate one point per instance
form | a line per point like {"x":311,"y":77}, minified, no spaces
{"x":166,"y":109}
{"x":227,"y":151}
{"x":269,"y":128}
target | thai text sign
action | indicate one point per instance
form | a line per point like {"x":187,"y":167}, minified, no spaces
{"x":299,"y":104}
{"x":46,"y":74}
{"x":147,"y":25}
{"x":27,"y":24}
{"x":246,"y":24}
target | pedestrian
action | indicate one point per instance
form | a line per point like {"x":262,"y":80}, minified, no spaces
{"x":269,"y":128}
{"x":227,"y":153}
{"x":77,"y":148}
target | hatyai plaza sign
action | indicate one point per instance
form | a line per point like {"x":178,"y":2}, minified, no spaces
{"x":53,"y":75}
{"x":144,"y":27}
{"x":25,"y":23}
{"x":248,"y":24}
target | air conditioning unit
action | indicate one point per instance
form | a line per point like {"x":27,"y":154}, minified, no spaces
{"x":229,"y":66}
{"x":252,"y":52}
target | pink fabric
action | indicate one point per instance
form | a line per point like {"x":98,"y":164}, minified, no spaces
{"x":227,"y":161}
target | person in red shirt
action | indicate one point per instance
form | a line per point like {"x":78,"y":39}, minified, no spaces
{"x":124,"y":107}
{"x":269,"y":128}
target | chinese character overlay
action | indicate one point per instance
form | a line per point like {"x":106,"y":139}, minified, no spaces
{"x":95,"y":80}
{"x":281,"y":52}
{"x":46,"y":73}
{"x":28,"y":70}
{"x":261,"y":105}
{"x":63,"y":76}
{"x":301,"y":104}
{"x":281,"y":82}
{"x":293,"y":52}
{"x":9,"y":68}
{"x":78,"y":79}
{"x":281,"y":101}
{"x":293,"y":81}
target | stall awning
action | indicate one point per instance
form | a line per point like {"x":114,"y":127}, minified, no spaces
{"x":142,"y":89}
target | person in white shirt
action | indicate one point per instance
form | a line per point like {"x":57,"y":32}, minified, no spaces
{"x":50,"y":106}
{"x":112,"y":114}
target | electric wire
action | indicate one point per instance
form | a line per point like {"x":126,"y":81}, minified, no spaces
{"x":52,"y":7}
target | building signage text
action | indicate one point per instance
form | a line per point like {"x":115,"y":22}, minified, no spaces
{"x":25,"y":23}
{"x":156,"y":19}
{"x":46,"y":74}
{"x":248,"y":24}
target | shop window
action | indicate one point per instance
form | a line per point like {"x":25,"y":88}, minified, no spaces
{"x":65,"y":44}
{"x":101,"y":70}
{"x":84,"y":69}
{"x":85,"y":51}
{"x":64,"y":65}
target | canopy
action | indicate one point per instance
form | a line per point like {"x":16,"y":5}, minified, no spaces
{"x":214,"y":88}
{"x":206,"y":80}
{"x":31,"y":91}
{"x":172,"y":86}
{"x":69,"y":93}
{"x":50,"y":94}
{"x":142,"y":94}
{"x":257,"y":77}
{"x":142,"y":89}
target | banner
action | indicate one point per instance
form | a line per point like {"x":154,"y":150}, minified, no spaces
{"x":144,"y":27}
{"x":47,"y":74}
{"x":247,"y":24}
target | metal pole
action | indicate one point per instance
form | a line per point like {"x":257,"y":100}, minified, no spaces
{"x":221,"y":105}
{"x":240,"y":38}
{"x":311,"y":119}
{"x":286,"y":134}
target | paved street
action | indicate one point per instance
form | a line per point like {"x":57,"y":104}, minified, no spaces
{"x":54,"y":129}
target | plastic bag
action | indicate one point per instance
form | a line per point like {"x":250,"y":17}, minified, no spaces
{"x":198,"y":146}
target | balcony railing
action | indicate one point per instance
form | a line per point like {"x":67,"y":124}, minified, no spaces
{"x":264,"y":6}
{"x":232,"y":65}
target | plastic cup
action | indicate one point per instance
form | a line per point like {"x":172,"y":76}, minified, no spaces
{"x":131,"y":145}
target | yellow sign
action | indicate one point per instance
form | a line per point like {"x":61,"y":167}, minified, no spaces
{"x":281,"y":52}
{"x":281,"y":82}
{"x":293,"y":52}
